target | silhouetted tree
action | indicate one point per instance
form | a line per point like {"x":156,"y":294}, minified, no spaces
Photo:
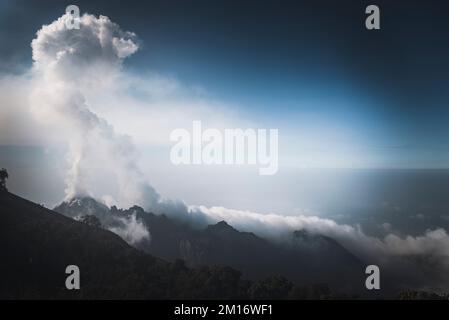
{"x":274,"y":287}
{"x":310,"y":292}
{"x":178,"y":266}
{"x":3,"y":177}
{"x":421,"y":295}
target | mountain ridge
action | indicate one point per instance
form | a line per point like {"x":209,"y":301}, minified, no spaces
{"x":304,"y":258}
{"x":38,"y":244}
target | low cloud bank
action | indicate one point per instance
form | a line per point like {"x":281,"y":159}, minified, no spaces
{"x":434,"y":242}
{"x":131,"y":230}
{"x":419,"y":262}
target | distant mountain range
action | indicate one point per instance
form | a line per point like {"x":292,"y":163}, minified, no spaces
{"x":38,"y":244}
{"x":303,"y":258}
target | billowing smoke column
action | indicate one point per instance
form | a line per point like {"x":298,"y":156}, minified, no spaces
{"x":68,"y":62}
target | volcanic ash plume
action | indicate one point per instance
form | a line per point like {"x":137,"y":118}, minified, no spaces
{"x":67,"y":64}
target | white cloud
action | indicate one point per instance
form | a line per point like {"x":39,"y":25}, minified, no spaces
{"x":433,"y":242}
{"x":77,"y":87}
{"x":77,"y":95}
{"x":132,"y":231}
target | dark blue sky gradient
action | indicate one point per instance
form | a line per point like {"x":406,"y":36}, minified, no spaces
{"x":285,"y":63}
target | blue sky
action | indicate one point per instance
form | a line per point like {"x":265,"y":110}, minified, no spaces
{"x":309,"y":68}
